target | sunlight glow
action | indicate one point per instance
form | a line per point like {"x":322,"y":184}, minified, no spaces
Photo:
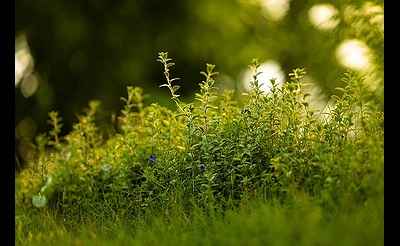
{"x":23,"y":60}
{"x":324,"y":16}
{"x":354,"y":54}
{"x":25,"y":78}
{"x":275,"y":10}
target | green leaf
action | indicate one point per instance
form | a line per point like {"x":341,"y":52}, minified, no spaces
{"x":170,"y":64}
{"x":175,"y":88}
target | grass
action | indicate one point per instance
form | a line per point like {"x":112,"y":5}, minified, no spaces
{"x":263,"y":170}
{"x":255,"y":223}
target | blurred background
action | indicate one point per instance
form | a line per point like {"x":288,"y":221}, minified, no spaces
{"x":70,"y":52}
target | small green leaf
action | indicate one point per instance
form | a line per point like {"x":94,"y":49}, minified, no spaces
{"x":175,"y":88}
{"x":170,"y":64}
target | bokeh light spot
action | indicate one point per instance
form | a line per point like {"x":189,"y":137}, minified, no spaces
{"x":324,"y":16}
{"x":29,"y":85}
{"x":274,"y":10}
{"x":354,"y":54}
{"x":24,"y":62}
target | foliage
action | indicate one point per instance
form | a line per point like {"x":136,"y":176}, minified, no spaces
{"x":210,"y":155}
{"x":95,"y":50}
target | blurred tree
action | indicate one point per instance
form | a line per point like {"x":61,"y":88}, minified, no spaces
{"x":85,"y":50}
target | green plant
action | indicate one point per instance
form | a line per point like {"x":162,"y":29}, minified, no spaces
{"x":210,"y":156}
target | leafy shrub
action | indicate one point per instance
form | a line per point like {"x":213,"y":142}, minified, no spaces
{"x":213,"y":153}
